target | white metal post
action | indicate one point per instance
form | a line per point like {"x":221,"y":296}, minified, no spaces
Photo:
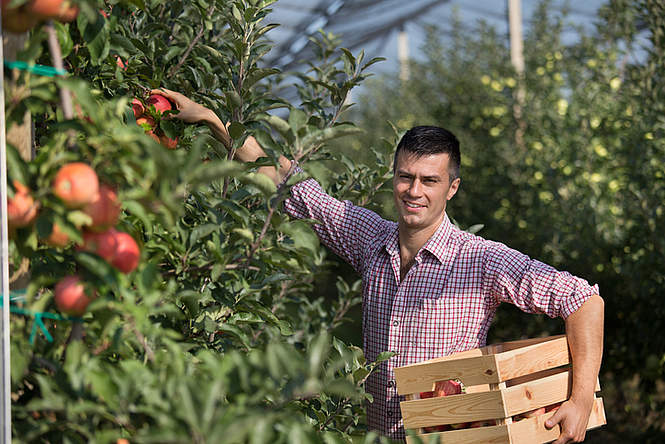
{"x":403,"y":53}
{"x":5,"y":410}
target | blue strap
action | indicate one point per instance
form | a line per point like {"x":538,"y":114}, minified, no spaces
{"x":40,"y":70}
{"x":38,"y":316}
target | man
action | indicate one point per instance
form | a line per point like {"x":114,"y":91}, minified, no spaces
{"x":430,"y":289}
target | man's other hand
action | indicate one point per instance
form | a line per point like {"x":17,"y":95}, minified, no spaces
{"x":189,"y":111}
{"x":573,"y":417}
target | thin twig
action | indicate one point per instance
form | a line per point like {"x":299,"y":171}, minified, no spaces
{"x":191,"y":44}
{"x":56,"y":56}
{"x":144,"y":342}
{"x":264,"y":230}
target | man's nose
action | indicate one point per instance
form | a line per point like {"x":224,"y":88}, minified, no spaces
{"x":416,"y":188}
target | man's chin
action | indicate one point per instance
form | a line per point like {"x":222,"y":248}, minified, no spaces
{"x":410,"y":222}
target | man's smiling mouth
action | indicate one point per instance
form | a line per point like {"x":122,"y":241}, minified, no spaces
{"x":413,"y":205}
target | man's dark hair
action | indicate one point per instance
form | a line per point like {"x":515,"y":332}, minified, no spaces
{"x":426,"y":140}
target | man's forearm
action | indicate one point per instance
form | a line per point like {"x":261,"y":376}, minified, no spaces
{"x":584,"y":329}
{"x":250,"y":150}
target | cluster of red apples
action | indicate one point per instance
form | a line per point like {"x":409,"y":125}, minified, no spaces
{"x":149,"y":114}
{"x":26,"y":16}
{"x":77,"y":186}
{"x":452,"y":387}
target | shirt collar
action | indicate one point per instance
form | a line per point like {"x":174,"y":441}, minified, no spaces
{"x":435,"y":245}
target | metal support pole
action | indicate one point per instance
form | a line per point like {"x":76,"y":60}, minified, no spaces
{"x":516,"y":39}
{"x":517,"y":59}
{"x":403,"y":54}
{"x":6,"y":432}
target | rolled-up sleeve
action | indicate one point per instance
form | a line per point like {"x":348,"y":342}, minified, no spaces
{"x":531,"y":285}
{"x":345,"y":228}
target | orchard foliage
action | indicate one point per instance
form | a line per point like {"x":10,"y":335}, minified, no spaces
{"x":583,"y":187}
{"x":218,"y":335}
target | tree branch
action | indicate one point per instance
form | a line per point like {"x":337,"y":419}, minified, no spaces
{"x":191,"y":45}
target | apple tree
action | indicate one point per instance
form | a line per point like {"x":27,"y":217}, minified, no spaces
{"x":199,"y":320}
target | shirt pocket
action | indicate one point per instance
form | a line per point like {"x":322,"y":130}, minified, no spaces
{"x":438,"y":326}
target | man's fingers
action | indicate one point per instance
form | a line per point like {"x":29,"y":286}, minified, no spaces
{"x":554,"y":420}
{"x":171,"y":95}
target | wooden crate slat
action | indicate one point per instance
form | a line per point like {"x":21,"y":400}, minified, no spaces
{"x":421,"y":377}
{"x":529,"y":374}
{"x":481,"y":435}
{"x":453,"y":409}
{"x":538,"y":393}
{"x":526,"y":431}
{"x":533,"y":358}
{"x":533,"y":430}
{"x":512,"y":345}
{"x":537,"y":375}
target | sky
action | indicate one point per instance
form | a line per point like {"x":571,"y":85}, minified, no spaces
{"x":351,"y":20}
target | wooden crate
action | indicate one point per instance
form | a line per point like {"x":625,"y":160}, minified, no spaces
{"x":501,"y":381}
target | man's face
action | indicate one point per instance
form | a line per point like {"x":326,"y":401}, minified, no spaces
{"x":421,"y":187}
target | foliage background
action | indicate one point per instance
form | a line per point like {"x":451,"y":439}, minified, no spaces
{"x":583,"y":191}
{"x":218,"y":335}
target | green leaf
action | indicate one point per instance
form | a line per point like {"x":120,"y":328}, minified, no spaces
{"x":372,"y":61}
{"x":257,"y":74}
{"x":297,"y":119}
{"x":321,"y":136}
{"x":201,"y":231}
{"x":245,"y":233}
{"x":79,"y":218}
{"x":236,"y":130}
{"x":473,"y":229}
{"x":96,"y":36}
{"x":281,"y":125}
{"x":261,"y":181}
{"x":65,"y":40}
{"x":214,"y":170}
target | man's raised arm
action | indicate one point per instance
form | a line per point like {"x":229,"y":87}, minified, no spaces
{"x":192,"y":112}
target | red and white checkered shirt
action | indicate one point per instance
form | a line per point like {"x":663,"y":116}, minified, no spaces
{"x":447,"y":299}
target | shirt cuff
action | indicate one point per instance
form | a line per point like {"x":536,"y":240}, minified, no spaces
{"x":296,"y":170}
{"x":583,"y":293}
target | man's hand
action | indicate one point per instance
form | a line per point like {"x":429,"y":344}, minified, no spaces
{"x":573,"y":417}
{"x":189,"y":111}
{"x":192,"y":112}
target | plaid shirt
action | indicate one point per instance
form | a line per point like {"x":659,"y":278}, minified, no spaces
{"x":447,"y":299}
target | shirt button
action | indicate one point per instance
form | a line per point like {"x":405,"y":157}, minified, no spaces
{"x":395,"y":323}
{"x":391,"y":383}
{"x":390,"y":413}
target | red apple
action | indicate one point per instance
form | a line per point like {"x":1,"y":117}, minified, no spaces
{"x":45,"y":9}
{"x":161,"y":103}
{"x":57,"y":238}
{"x":148,"y":125}
{"x":138,"y":108}
{"x":439,"y":428}
{"x":127,"y":253}
{"x":168,"y":142}
{"x":68,"y":12}
{"x":76,"y":184}
{"x":146,"y":122}
{"x":17,"y":20}
{"x":22,"y":208}
{"x":446,"y":388}
{"x":104,"y":209}
{"x":121,"y":63}
{"x":71,"y":297}
{"x":104,"y":245}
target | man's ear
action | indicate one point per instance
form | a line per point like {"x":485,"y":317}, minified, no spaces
{"x":454,"y":186}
